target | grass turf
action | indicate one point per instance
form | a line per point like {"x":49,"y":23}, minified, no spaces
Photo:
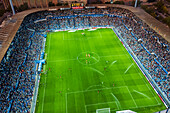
{"x":90,"y":72}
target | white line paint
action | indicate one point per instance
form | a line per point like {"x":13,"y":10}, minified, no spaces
{"x":112,"y":63}
{"x":149,"y":88}
{"x":116,"y":100}
{"x":100,"y":34}
{"x":137,"y":71}
{"x":100,"y":103}
{"x":95,"y":90}
{"x":131,"y":96}
{"x":66,"y":101}
{"x":112,"y":55}
{"x":96,"y":70}
{"x":128,"y":68}
{"x":95,"y":86}
{"x":146,"y":106}
{"x":85,"y":109}
{"x":146,"y":85}
{"x":142,"y":94}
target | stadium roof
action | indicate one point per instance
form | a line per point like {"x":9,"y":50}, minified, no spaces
{"x":8,"y":31}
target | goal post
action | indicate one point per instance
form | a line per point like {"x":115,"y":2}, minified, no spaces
{"x":103,"y":110}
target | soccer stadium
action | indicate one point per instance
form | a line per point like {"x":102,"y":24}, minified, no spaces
{"x":84,"y":59}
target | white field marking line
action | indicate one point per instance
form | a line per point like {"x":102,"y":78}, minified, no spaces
{"x":150,"y":90}
{"x":103,"y":109}
{"x":97,"y":110}
{"x":117,"y":107}
{"x":85,"y":109}
{"x":63,"y":36}
{"x":116,"y":100}
{"x":128,"y":68}
{"x":66,"y":101}
{"x":147,"y":85}
{"x":95,"y":59}
{"x":99,"y":103}
{"x":94,"y":90}
{"x":112,"y":55}
{"x":139,"y":74}
{"x":141,"y":107}
{"x":100,"y":34}
{"x":112,"y":63}
{"x":142,"y":94}
{"x":131,"y":96}
{"x":62,"y":60}
{"x":118,"y":40}
{"x":94,"y":86}
{"x":147,"y":106}
{"x":95,"y":70}
{"x":45,"y":78}
{"x":44,"y":68}
{"x":142,"y":78}
{"x":127,"y":54}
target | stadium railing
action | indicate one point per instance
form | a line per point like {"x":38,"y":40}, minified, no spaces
{"x":34,"y":98}
{"x":37,"y":79}
{"x":162,"y":96}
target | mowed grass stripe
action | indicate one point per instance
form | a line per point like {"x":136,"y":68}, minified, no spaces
{"x":67,"y":75}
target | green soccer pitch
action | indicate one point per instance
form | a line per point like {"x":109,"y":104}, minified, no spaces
{"x":90,"y":71}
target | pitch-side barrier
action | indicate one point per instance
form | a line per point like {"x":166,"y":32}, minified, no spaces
{"x":37,"y":78}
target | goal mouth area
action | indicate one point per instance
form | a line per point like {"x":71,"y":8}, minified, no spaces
{"x":103,"y":110}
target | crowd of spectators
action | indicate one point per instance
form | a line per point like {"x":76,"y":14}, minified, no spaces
{"x":17,"y":69}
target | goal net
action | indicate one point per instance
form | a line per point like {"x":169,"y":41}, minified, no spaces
{"x":104,"y":110}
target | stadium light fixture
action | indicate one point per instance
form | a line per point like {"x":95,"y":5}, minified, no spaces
{"x":12,"y":7}
{"x":136,"y":3}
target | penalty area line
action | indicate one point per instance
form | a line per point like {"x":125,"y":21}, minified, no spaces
{"x":131,"y":96}
{"x":95,"y":89}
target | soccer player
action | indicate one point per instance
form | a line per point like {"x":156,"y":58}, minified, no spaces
{"x":98,"y":91}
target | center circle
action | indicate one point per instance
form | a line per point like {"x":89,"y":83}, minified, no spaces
{"x":88,"y":58}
